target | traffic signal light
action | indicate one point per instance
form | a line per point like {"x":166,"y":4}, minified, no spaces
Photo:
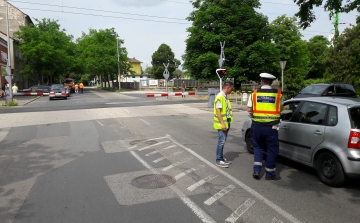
{"x":221,"y":73}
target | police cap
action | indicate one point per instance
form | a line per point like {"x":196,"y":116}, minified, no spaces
{"x":267,"y":76}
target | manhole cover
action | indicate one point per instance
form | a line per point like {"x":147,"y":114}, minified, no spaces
{"x":153,"y":181}
{"x":148,"y":142}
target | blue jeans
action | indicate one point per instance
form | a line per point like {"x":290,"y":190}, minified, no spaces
{"x":220,"y":145}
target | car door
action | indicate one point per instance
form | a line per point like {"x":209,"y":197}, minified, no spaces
{"x":288,"y":112}
{"x":305,"y":131}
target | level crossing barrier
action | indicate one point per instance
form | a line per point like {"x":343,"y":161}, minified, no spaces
{"x":175,"y":94}
{"x":31,"y":94}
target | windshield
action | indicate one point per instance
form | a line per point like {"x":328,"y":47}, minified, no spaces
{"x":69,"y":81}
{"x":314,"y":89}
{"x":355,"y":117}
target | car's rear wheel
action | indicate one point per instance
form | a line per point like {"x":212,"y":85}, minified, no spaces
{"x":249,"y":145}
{"x":50,"y":99}
{"x":330,"y":170}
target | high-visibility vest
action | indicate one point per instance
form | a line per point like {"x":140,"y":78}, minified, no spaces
{"x":266,"y":105}
{"x":81,"y":85}
{"x":76,"y":86}
{"x":217,"y":123}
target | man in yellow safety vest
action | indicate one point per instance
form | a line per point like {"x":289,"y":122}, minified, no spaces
{"x":223,"y":116}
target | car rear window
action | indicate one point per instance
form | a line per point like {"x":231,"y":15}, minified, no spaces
{"x":355,"y":117}
{"x":314,"y":89}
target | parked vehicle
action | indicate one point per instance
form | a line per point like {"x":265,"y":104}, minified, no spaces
{"x":316,"y":90}
{"x":70,"y":82}
{"x":57,"y":91}
{"x":320,"y":132}
{"x":37,"y":88}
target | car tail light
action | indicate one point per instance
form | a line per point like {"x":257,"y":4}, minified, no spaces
{"x":354,"y":140}
{"x":51,"y":92}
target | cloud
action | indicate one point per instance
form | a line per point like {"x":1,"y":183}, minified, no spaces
{"x":137,"y":3}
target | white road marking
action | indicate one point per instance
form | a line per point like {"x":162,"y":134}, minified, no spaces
{"x":99,"y":123}
{"x":276,"y":221}
{"x":156,"y":144}
{"x":176,"y":164}
{"x":145,"y":121}
{"x":180,"y":175}
{"x":271,"y":204}
{"x":162,"y":158}
{"x":201,"y":182}
{"x":134,"y":146}
{"x":126,"y":111}
{"x":159,"y":150}
{"x":240,"y":211}
{"x":219,"y":195}
{"x":204,"y":217}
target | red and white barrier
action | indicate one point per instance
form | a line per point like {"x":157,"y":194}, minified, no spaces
{"x":175,"y":94}
{"x":30,"y":94}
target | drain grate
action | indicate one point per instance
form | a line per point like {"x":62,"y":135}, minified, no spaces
{"x":148,"y":142}
{"x":153,"y":181}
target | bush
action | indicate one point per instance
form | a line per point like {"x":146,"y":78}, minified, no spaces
{"x":10,"y":103}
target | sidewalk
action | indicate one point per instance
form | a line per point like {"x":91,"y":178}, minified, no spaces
{"x":22,"y":100}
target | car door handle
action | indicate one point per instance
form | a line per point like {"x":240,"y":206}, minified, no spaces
{"x":317,"y":132}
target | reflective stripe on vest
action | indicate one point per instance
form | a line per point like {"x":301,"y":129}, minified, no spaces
{"x":266,"y":105}
{"x":217,"y":123}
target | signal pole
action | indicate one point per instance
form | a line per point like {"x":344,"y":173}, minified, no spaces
{"x":221,"y":61}
{"x":8,"y":63}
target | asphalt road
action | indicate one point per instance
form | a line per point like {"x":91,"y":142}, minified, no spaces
{"x":87,"y":159}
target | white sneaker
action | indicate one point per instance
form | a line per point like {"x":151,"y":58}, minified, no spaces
{"x":226,"y":162}
{"x":222,"y":164}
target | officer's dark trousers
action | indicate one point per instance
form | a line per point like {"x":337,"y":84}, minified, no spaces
{"x":265,"y":139}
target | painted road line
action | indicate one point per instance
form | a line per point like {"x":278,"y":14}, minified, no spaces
{"x":182,"y":174}
{"x":240,"y":211}
{"x":162,"y":158}
{"x":201,"y":182}
{"x":145,"y":121}
{"x":156,"y":144}
{"x":204,"y":217}
{"x":276,"y":221}
{"x":219,"y":195}
{"x":134,"y":146}
{"x":126,"y":111}
{"x":176,"y":164}
{"x":271,"y":204}
{"x":159,"y":150}
{"x":100,"y":123}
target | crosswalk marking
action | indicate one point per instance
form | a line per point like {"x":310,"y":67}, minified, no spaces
{"x":219,"y":194}
{"x":176,"y":164}
{"x":276,"y":221}
{"x":162,"y":158}
{"x":159,"y":150}
{"x":156,"y":144}
{"x":180,"y":175}
{"x":240,"y":211}
{"x":201,"y":182}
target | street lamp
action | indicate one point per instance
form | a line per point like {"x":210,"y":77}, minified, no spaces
{"x":118,"y":57}
{"x":282,"y":64}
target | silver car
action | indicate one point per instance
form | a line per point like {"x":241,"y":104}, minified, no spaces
{"x":323,"y":133}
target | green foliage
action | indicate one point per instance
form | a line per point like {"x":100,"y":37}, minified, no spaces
{"x":287,"y":38}
{"x":317,"y":47}
{"x":47,"y":50}
{"x":240,"y":26}
{"x":307,"y":14}
{"x":97,"y":51}
{"x":178,"y":74}
{"x":14,"y":102}
{"x":342,"y":60}
{"x":163,"y":55}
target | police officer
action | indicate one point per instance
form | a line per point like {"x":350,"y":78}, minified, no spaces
{"x":264,"y":106}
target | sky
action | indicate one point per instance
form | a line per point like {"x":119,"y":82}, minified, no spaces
{"x":145,"y":24}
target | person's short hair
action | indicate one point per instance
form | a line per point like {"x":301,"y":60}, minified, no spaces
{"x":228,"y":84}
{"x":267,"y":81}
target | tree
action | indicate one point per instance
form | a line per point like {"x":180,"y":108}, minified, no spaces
{"x":49,"y":53}
{"x":178,"y":74}
{"x":240,"y":26}
{"x":342,"y":60}
{"x":307,"y":15}
{"x":287,"y":38}
{"x":163,"y":55}
{"x":317,"y":47}
{"x":98,"y":53}
{"x":149,"y":70}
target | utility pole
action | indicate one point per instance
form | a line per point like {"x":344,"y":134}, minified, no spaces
{"x":8,"y":63}
{"x":118,"y":57}
{"x":221,"y":63}
{"x":166,"y":75}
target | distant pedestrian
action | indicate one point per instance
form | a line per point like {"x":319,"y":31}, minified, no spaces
{"x":81,"y":88}
{"x":183,"y":87}
{"x":15,"y":88}
{"x":264,"y":106}
{"x":76,"y":88}
{"x":223,"y":116}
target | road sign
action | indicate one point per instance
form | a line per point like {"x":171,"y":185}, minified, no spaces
{"x":221,"y":62}
{"x":282,"y":64}
{"x":221,"y":73}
